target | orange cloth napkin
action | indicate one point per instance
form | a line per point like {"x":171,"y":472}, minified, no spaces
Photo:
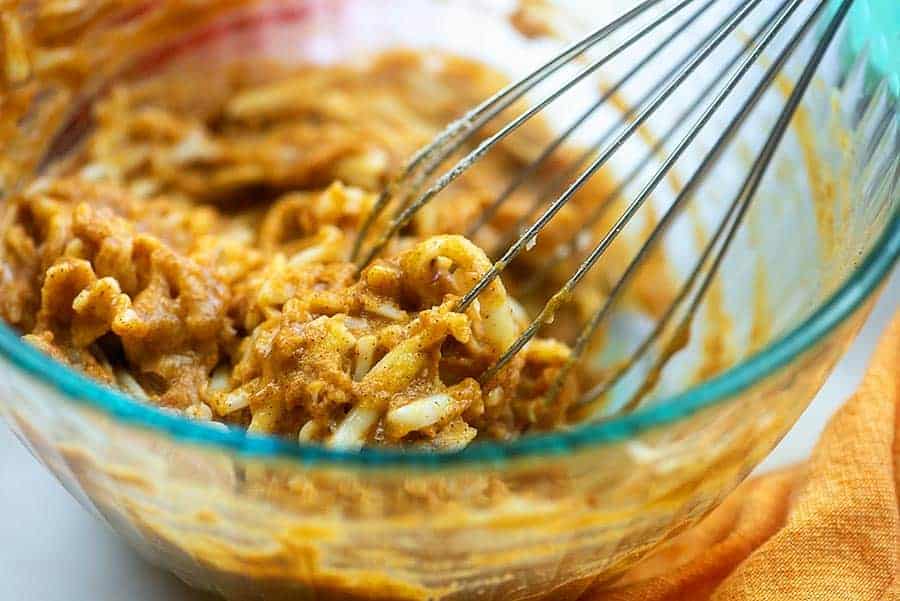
{"x":828,"y":530}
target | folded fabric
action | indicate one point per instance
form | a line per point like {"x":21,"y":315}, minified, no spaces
{"x":828,"y":530}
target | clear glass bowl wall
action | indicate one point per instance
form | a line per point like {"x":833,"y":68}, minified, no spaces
{"x":257,"y":518}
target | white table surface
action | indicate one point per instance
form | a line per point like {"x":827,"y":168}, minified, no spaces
{"x":52,"y":550}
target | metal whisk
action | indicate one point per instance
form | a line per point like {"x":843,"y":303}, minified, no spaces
{"x":421,"y":180}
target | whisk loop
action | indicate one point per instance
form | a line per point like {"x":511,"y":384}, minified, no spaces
{"x":406,"y":194}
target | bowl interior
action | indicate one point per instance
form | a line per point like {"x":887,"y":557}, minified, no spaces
{"x":816,"y":213}
{"x":826,"y":198}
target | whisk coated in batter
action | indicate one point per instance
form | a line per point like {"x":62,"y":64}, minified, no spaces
{"x":423,"y":181}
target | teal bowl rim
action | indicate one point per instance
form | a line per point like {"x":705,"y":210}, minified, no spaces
{"x":859,"y":286}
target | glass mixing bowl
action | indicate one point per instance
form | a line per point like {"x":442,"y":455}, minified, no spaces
{"x":254,"y":517}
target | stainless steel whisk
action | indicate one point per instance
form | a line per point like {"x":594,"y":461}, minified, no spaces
{"x":420,"y":181}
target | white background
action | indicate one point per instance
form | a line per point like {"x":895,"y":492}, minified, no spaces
{"x":52,"y":550}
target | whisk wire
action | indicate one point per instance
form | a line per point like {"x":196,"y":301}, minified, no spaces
{"x":783,"y":13}
{"x":553,"y":188}
{"x":528,"y":171}
{"x":426,"y":160}
{"x":628,"y":130}
{"x":595,"y":148}
{"x":729,"y":224}
{"x":404,"y":214}
{"x":744,"y":199}
{"x":568,"y":249}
